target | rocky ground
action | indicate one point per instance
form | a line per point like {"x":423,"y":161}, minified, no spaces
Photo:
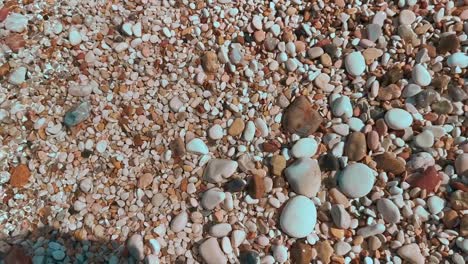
{"x":222,"y":131}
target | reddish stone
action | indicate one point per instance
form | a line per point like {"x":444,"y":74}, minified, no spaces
{"x":257,"y":187}
{"x":271,"y":146}
{"x":4,"y":13}
{"x":428,"y":180}
{"x":301,"y":118}
{"x":15,"y":42}
{"x":17,"y":255}
{"x":460,"y":186}
{"x":20,"y":176}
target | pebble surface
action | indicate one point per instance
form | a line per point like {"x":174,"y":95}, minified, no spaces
{"x":233,"y":132}
{"x":356,"y":180}
{"x":298,"y":217}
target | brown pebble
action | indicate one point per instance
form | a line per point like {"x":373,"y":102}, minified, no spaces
{"x":356,"y":146}
{"x":257,"y":187}
{"x":19,"y":176}
{"x":210,"y":62}
{"x":278,"y":164}
{"x":237,"y":127}
{"x":301,"y":118}
{"x":301,"y":253}
{"x":324,"y":251}
{"x":389,"y":163}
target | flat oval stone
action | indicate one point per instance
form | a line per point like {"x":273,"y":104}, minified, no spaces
{"x":389,"y":211}
{"x":398,"y":119}
{"x":355,"y":63}
{"x":298,"y":217}
{"x":424,"y":139}
{"x":304,"y":147}
{"x":356,"y":180}
{"x":421,"y":75}
{"x":411,"y":253}
{"x":304,"y":176}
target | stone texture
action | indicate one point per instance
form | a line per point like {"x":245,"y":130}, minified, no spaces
{"x":301,"y":118}
{"x":301,"y":253}
{"x":389,"y":163}
{"x":356,"y":146}
{"x":304,"y":176}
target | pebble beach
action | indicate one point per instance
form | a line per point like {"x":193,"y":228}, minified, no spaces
{"x":234,"y":131}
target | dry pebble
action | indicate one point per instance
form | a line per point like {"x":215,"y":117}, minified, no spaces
{"x":233,"y":131}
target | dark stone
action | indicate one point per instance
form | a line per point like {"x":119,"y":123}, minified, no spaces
{"x":425,"y":98}
{"x":448,"y":43}
{"x":456,"y":93}
{"x":328,"y":162}
{"x":178,"y":147}
{"x":279,"y":182}
{"x":235,"y":185}
{"x":392,"y":76}
{"x":331,"y":50}
{"x":249,"y":257}
{"x":86,"y":153}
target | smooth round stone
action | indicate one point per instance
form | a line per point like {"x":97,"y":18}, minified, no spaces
{"x":355,"y":124}
{"x":407,"y":17}
{"x":58,"y":254}
{"x":461,"y":164}
{"x":16,"y":22}
{"x":411,"y":253}
{"x":197,"y":146}
{"x":304,"y":147}
{"x":410,"y":90}
{"x":398,"y":119}
{"x":74,"y":37}
{"x":249,"y":131}
{"x":421,"y":75}
{"x":304,"y":176}
{"x":356,"y":180}
{"x":342,"y":107}
{"x":458,"y":59}
{"x":135,"y":246}
{"x":298,"y":217}
{"x":211,"y":252}
{"x":212,"y":197}
{"x":18,"y":76}
{"x":424,"y":139}
{"x":315,"y":52}
{"x":179,"y":222}
{"x":220,"y":230}
{"x":435,"y":204}
{"x":280,"y":253}
{"x":355,"y":63}
{"x":215,"y":132}
{"x":342,"y":248}
{"x":389,"y":211}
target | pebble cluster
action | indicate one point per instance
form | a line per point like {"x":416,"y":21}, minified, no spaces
{"x":222,"y":131}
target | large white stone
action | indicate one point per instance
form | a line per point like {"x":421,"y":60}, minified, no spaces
{"x":458,"y":59}
{"x":197,"y":146}
{"x":298,"y":217}
{"x":342,"y":107}
{"x":304,"y":147}
{"x":217,"y":170}
{"x":421,"y":75}
{"x":398,"y":119}
{"x":304,"y":176}
{"x":18,"y":76}
{"x":389,"y":210}
{"x":211,"y":252}
{"x":355,"y":63}
{"x":16,"y":22}
{"x":356,"y":180}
